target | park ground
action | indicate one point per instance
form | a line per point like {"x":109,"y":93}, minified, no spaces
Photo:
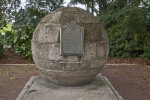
{"x":131,"y":81}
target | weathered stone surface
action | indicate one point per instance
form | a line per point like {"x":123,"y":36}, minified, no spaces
{"x":42,"y":89}
{"x":70,"y":69}
{"x":90,"y":52}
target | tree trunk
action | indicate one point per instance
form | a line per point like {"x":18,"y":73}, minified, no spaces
{"x":92,"y":7}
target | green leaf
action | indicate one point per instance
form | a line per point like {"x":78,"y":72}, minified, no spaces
{"x":13,"y":78}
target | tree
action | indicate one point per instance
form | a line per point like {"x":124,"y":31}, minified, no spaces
{"x":45,"y":5}
{"x":2,"y":19}
{"x":8,"y":7}
{"x":25,"y":22}
{"x":91,"y":4}
{"x":127,"y":25}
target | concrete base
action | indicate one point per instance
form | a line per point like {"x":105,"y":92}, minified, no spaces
{"x":39,"y":88}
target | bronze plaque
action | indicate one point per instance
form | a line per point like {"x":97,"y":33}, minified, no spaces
{"x":71,"y":40}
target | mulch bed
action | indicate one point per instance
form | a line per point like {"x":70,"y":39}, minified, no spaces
{"x":11,"y":58}
{"x":132,"y":82}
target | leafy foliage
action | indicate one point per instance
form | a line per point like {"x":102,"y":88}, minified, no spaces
{"x":19,"y":39}
{"x":127,"y":23}
{"x":1,"y":51}
{"x":26,"y":21}
{"x":91,"y":5}
{"x":8,"y":7}
{"x":128,"y":29}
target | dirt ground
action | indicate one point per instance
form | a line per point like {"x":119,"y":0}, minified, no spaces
{"x":13,"y":79}
{"x":132,"y":82}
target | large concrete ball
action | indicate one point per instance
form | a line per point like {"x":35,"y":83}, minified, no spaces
{"x":69,"y":70}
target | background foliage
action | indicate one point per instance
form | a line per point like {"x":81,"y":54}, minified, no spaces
{"x":127,"y":23}
{"x":128,"y":28}
{"x":1,"y":51}
{"x":19,"y":39}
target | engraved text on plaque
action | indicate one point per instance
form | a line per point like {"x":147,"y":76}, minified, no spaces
{"x":71,"y":40}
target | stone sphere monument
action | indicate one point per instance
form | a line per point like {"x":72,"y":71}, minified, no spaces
{"x":70,"y":46}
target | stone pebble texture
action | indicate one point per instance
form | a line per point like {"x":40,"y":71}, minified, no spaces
{"x":69,"y":70}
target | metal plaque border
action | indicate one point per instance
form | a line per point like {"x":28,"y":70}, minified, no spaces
{"x":72,"y":54}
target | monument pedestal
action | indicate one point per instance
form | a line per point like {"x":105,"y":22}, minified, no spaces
{"x":39,"y":88}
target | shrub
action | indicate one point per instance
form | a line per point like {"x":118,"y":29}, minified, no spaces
{"x":1,"y":50}
{"x":19,"y":38}
{"x":128,"y":30}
